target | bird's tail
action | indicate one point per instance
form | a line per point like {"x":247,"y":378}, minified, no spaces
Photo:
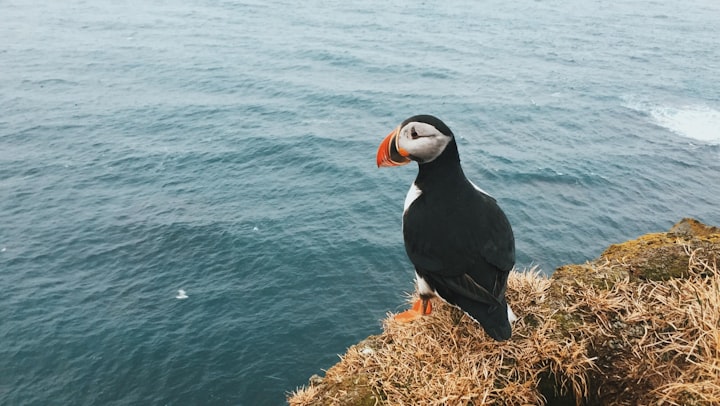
{"x":494,"y":319}
{"x":489,"y":309}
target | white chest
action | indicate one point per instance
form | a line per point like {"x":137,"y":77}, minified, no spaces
{"x":412,"y":194}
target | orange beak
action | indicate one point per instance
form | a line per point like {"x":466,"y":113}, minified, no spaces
{"x":389,"y":154}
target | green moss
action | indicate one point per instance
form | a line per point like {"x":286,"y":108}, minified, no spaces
{"x":350,"y":389}
{"x":659,"y":256}
{"x":662,"y":256}
{"x":581,"y":276}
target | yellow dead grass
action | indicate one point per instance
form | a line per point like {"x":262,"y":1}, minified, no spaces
{"x":602,"y":337}
{"x":446,"y":359}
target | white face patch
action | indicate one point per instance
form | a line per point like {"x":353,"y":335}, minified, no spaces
{"x":421,"y":140}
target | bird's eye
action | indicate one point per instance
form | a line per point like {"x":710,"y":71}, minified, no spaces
{"x":413,"y":133}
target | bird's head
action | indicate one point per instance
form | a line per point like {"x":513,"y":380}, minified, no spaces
{"x":420,"y":138}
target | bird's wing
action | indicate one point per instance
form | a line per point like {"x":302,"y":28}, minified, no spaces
{"x":466,"y":286}
{"x":469,"y":235}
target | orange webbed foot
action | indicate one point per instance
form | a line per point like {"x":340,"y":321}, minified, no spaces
{"x":420,"y":308}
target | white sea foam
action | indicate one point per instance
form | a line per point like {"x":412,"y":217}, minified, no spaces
{"x":697,"y":122}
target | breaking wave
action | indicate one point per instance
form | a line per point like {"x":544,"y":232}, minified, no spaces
{"x":701,"y":123}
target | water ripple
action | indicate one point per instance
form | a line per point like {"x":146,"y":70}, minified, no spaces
{"x":229,"y":150}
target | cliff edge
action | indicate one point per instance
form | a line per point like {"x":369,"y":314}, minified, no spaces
{"x":638,"y":325}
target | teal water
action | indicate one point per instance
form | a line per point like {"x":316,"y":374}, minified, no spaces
{"x":228,"y":149}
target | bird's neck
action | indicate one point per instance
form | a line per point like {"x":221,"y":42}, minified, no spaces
{"x":444,"y":168}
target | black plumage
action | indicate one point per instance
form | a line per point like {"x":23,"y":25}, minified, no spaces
{"x":459,"y":239}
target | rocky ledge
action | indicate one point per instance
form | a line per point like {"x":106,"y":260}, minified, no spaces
{"x":638,"y":325}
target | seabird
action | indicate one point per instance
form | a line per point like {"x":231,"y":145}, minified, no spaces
{"x":457,"y":237}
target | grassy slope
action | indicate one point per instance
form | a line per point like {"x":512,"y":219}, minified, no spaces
{"x":639,"y":325}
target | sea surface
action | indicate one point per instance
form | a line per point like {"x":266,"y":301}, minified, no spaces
{"x":227,"y":149}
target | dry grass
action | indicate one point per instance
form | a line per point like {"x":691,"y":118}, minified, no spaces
{"x":659,"y":342}
{"x":624,"y":342}
{"x":446,"y":359}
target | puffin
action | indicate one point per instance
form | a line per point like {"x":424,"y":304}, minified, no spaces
{"x":457,"y":237}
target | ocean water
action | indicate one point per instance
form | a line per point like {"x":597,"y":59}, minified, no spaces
{"x":228,"y":149}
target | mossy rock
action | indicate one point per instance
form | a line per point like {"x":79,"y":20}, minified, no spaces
{"x":663,"y":256}
{"x":586,"y":275}
{"x":692,"y":228}
{"x":650,"y":257}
